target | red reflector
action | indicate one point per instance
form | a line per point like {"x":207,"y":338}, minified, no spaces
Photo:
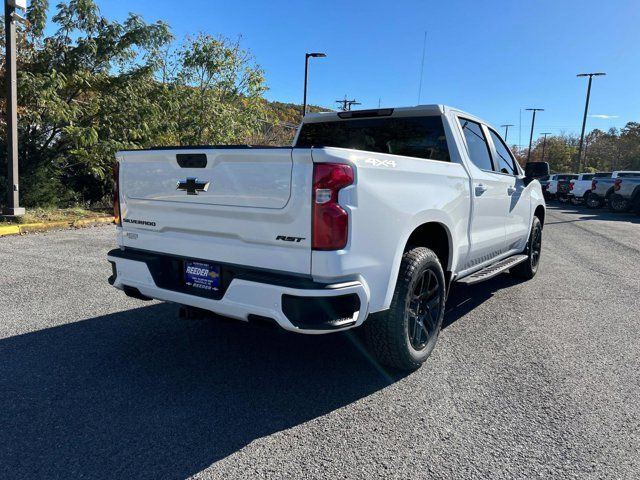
{"x":330,"y":227}
{"x":116,"y":194}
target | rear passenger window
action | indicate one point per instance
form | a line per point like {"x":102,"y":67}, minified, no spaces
{"x":477,"y":144}
{"x":505,"y":160}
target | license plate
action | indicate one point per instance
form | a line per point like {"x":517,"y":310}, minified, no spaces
{"x":202,"y":276}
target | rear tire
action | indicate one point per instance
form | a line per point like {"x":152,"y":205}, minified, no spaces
{"x":617,"y":203}
{"x":592,"y":201}
{"x":528,"y":269}
{"x":404,"y":336}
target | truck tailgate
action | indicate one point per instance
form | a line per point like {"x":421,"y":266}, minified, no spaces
{"x":237,"y":206}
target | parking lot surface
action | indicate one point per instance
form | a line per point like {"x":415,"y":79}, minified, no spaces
{"x":528,"y":379}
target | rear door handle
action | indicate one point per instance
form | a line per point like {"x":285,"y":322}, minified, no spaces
{"x":511,"y":190}
{"x":480,"y":189}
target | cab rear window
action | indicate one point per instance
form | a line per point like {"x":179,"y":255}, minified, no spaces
{"x":421,"y":137}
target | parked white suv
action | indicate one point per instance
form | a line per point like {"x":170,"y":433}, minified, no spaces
{"x":370,"y":215}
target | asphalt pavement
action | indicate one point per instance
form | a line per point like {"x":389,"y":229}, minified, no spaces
{"x":534,"y":379}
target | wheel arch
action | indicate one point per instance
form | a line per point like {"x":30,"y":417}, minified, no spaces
{"x":431,"y":230}
{"x":436,"y":237}
{"x":540,"y":212}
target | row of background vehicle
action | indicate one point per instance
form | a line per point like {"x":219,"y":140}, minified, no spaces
{"x":618,"y":190}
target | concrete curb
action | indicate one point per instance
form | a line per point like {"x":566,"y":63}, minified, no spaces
{"x":43,"y":227}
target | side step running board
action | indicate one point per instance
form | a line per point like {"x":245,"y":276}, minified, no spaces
{"x":492,"y":270}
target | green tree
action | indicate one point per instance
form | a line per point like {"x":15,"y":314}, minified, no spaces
{"x":211,"y":93}
{"x":84,"y":92}
{"x":95,"y":86}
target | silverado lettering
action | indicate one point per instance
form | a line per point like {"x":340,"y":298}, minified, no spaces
{"x":139,"y":222}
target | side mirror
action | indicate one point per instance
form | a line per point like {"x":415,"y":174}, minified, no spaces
{"x":536,"y":170}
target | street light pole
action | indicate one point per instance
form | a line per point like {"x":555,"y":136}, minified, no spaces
{"x":12,"y":208}
{"x":533,"y":122}
{"x":586,"y":109}
{"x":307,"y":56}
{"x":544,"y":143}
{"x":506,"y":130}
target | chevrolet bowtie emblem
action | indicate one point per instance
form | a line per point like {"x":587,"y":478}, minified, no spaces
{"x":192,"y":186}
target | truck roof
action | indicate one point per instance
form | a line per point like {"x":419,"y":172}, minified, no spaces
{"x":434,"y":109}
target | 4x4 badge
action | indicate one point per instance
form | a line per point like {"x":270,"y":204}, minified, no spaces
{"x":192,"y":186}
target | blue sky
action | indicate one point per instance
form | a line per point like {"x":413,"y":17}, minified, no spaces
{"x":490,"y":58}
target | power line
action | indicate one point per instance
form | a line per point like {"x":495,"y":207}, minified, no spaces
{"x":345,"y":105}
{"x":424,"y":48}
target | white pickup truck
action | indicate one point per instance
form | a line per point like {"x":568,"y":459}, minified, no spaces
{"x":603,"y":188}
{"x":371,"y":215}
{"x":580,"y":187}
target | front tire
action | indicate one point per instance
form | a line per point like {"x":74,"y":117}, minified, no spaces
{"x":528,"y":269}
{"x":404,"y":336}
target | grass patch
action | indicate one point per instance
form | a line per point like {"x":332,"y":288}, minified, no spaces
{"x":46,"y":215}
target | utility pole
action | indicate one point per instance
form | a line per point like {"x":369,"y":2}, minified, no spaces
{"x":506,"y":130}
{"x":586,"y":109}
{"x":533,"y":122}
{"x":345,"y":105}
{"x":544,"y":143}
{"x":12,"y":209}
{"x":520,"y":131}
{"x":307,"y":56}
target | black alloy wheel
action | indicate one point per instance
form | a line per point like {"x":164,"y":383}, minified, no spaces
{"x":423,"y":310}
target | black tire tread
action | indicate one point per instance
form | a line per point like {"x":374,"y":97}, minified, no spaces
{"x":384,"y":332}
{"x":612,"y":208}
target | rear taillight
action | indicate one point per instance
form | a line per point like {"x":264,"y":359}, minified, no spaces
{"x":570,"y":186}
{"x":330,"y":227}
{"x":616,"y":184}
{"x":593,"y":184}
{"x":116,"y":195}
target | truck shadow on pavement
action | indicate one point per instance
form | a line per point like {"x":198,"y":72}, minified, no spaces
{"x":463,"y":298}
{"x":140,"y":393}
